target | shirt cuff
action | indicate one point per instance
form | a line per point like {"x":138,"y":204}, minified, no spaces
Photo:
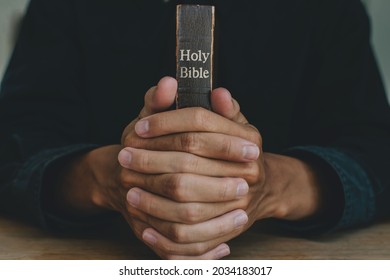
{"x":30,"y":181}
{"x":358,"y":201}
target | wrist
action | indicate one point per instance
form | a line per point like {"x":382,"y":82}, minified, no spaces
{"x":103,"y":171}
{"x":296,"y":188}
{"x":76,"y":186}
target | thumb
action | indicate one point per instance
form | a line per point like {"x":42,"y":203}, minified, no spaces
{"x":226,"y":106}
{"x":159,"y":98}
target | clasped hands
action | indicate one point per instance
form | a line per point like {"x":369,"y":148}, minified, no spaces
{"x":190,"y":172}
{"x":189,"y":180}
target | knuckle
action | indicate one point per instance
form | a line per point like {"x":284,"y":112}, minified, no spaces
{"x":224,"y":191}
{"x":168,"y":249}
{"x":225,"y":147}
{"x":255,"y":137}
{"x":145,"y":161}
{"x":165,"y":185}
{"x":149,"y":182}
{"x":129,"y":140}
{"x":189,"y":142}
{"x":191,"y":213}
{"x":201,"y":119}
{"x":147,"y":205}
{"x":173,"y":187}
{"x":161,"y":122}
{"x":220,"y":228}
{"x":179,"y":189}
{"x":199,"y":249}
{"x":133,"y":141}
{"x":281,"y":212}
{"x":150,"y":208}
{"x":177,"y":233}
{"x":252,"y":173}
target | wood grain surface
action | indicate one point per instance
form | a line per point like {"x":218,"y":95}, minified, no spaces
{"x":116,"y":242}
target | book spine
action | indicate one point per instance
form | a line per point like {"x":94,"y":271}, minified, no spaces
{"x":194,"y":55}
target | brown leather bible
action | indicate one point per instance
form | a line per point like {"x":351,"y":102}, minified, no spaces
{"x":194,"y":55}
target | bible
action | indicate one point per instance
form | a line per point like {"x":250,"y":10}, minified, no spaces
{"x":194,"y":55}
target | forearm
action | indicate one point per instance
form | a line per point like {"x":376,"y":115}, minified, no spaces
{"x":351,"y":190}
{"x":306,"y":189}
{"x":24,"y":179}
{"x":76,"y":186}
{"x":293,"y":185}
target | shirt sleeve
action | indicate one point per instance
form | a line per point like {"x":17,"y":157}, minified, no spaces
{"x":43,"y":116}
{"x":21,"y":189}
{"x":344,"y":120}
{"x":350,"y":194}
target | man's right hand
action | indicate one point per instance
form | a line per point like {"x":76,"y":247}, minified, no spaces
{"x":188,"y":167}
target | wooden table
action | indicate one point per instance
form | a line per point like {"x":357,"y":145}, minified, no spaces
{"x":21,"y":241}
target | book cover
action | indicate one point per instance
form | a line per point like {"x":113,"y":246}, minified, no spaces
{"x":194,"y":55}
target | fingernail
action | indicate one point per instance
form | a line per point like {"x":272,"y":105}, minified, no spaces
{"x":149,"y":238}
{"x":222,"y":252}
{"x":133,"y":198}
{"x":250,"y":152}
{"x":242,"y":189}
{"x":124,"y":157}
{"x":240,"y":220}
{"x":142,"y":127}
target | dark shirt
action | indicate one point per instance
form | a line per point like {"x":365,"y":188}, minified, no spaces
{"x":303,"y":72}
